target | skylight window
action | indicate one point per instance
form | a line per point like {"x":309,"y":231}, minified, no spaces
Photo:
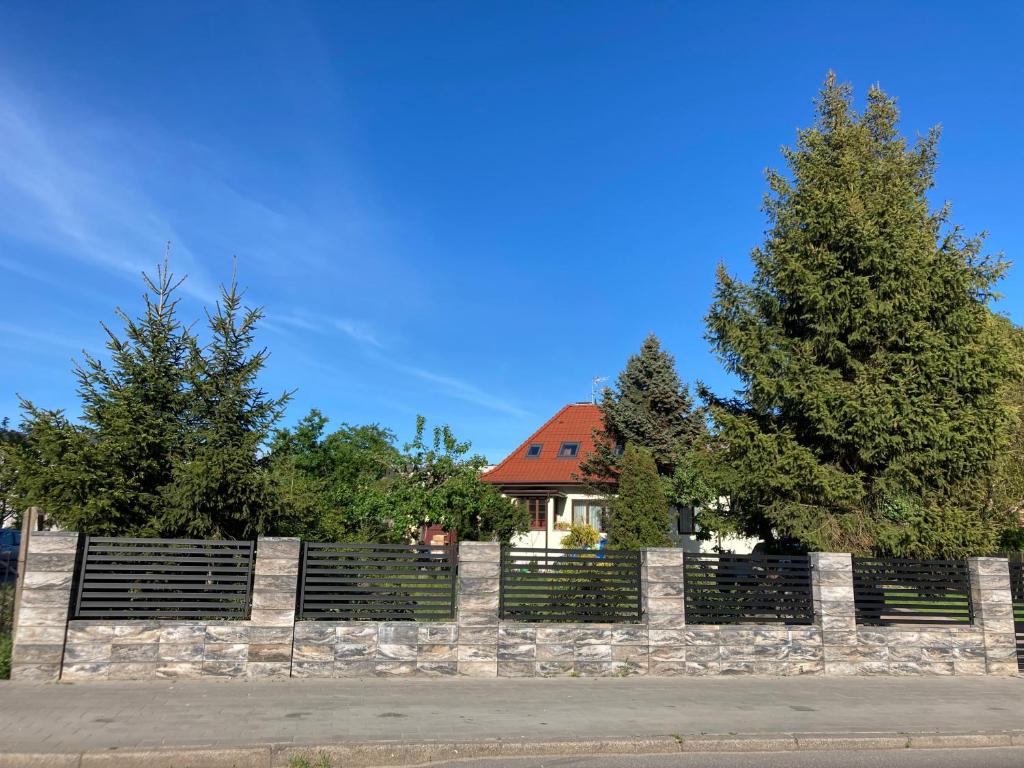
{"x":533,"y":451}
{"x":568,"y":450}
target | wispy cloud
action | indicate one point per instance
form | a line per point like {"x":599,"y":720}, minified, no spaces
{"x":460,"y":389}
{"x":356,"y":330}
{"x":35,"y":336}
{"x":63,"y":188}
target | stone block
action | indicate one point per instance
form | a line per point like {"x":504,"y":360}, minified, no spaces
{"x":34,"y":672}
{"x":590,"y":668}
{"x":515,"y":668}
{"x":477,"y":586}
{"x":480,"y":570}
{"x":704,"y":653}
{"x":592,"y":652}
{"x":83,"y":652}
{"x":50,"y":561}
{"x":1003,"y":668}
{"x":50,"y":597}
{"x":477,"y":635}
{"x":219,"y":668}
{"x":394,"y":668}
{"x":553,"y":668}
{"x":180,"y":670}
{"x":277,"y":566}
{"x":662,"y":556}
{"x":312,"y":668}
{"x":46,"y":616}
{"x":478,"y":618}
{"x":269,"y":652}
{"x":226,"y":652}
{"x":350,"y":668}
{"x":278,"y":548}
{"x":593,"y":635}
{"x":308,"y":650}
{"x":666,"y":668}
{"x":270,"y":635}
{"x":508,"y":651}
{"x":134,"y":652}
{"x":43,"y":636}
{"x":47,"y":542}
{"x":702,"y":637}
{"x":227,"y":633}
{"x":638,"y":653}
{"x":263,"y":582}
{"x":133,"y":670}
{"x":554,"y":652}
{"x":82,"y":671}
{"x":478,"y":603}
{"x":437,"y":652}
{"x":38,"y":654}
{"x":137,"y":632}
{"x":438,"y":633}
{"x":701,"y":668}
{"x":667,"y":574}
{"x":478,"y":652}
{"x":273,"y":600}
{"x":268,"y":670}
{"x":630,"y":634}
{"x":180,"y":652}
{"x":397,"y":651}
{"x":351,"y":652}
{"x":267,"y":617}
{"x":517,"y":633}
{"x":437,"y":668}
{"x":477,"y":667}
{"x":673,"y":653}
{"x":357,"y":631}
{"x":969,"y":667}
{"x":556,"y":634}
{"x":475,"y":551}
{"x":183,"y":634}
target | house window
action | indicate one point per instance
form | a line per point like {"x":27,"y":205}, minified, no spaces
{"x":684,"y":521}
{"x":588,"y":513}
{"x":618,"y":449}
{"x":538,"y":507}
{"x":568,"y":450}
{"x":534,"y":450}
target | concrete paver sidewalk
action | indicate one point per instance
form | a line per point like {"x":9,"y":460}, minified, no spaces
{"x":98,"y":716}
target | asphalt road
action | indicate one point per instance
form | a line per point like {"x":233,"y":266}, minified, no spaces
{"x":1009,"y":757}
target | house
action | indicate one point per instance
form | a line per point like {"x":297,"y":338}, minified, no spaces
{"x":544,"y":474}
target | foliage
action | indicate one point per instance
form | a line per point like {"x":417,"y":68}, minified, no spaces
{"x":872,"y":410}
{"x":5,"y":655}
{"x":639,"y":513}
{"x":10,"y":440}
{"x":170,"y":435}
{"x":649,"y":406}
{"x":581,"y":536}
{"x":355,"y":485}
{"x":220,"y":489}
{"x":107,"y":474}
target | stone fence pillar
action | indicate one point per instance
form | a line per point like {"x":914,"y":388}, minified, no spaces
{"x":274,"y":589}
{"x":661,"y":585}
{"x":477,"y":610}
{"x":992,"y":602}
{"x":42,"y":618}
{"x":834,"y":612}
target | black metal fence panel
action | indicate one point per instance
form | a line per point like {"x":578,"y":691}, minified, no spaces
{"x":377,"y":582}
{"x":1017,"y":591}
{"x":902,"y":591}
{"x":123,"y":578}
{"x":570,"y":585}
{"x":8,"y":582}
{"x":735,"y":589}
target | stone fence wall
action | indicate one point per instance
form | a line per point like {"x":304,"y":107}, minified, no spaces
{"x":272,"y":644}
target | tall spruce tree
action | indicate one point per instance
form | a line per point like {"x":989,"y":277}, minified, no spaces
{"x":221,"y":489}
{"x":648,"y":406}
{"x":639,"y":512}
{"x":106,"y":474}
{"x":872,"y":404}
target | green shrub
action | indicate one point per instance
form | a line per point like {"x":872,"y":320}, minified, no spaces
{"x":581,"y":536}
{"x":5,"y":655}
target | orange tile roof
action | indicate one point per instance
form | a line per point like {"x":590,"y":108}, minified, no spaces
{"x":576,"y":422}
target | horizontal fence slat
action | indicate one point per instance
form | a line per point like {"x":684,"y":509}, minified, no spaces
{"x":735,"y":589}
{"x":376,"y":582}
{"x":542,"y":584}
{"x":132,"y":578}
{"x":902,"y":591}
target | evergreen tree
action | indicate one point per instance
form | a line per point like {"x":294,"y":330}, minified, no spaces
{"x":649,"y":406}
{"x":221,"y":488}
{"x":872,"y":404}
{"x":105,"y":475}
{"x":639,"y":513}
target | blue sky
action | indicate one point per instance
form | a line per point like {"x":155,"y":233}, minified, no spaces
{"x":465,"y":210}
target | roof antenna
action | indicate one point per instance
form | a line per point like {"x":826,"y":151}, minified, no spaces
{"x":595,"y":387}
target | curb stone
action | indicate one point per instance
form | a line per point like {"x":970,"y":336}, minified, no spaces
{"x":394,"y":755}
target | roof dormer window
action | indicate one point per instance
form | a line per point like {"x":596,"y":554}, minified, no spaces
{"x":568,"y":450}
{"x":533,"y":451}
